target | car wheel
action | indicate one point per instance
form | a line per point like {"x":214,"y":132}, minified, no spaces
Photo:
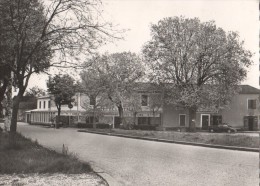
{"x":211,"y":130}
{"x":229,"y":131}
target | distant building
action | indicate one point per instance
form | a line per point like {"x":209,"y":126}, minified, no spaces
{"x":27,"y":103}
{"x":146,"y":107}
{"x":46,"y":111}
{"x":243,"y":112}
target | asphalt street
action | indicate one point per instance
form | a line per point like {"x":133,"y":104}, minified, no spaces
{"x":141,"y":163}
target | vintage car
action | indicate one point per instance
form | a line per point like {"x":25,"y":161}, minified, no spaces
{"x":224,"y":127}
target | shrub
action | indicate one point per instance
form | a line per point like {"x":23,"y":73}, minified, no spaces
{"x":144,"y":127}
{"x":98,"y":125}
{"x":103,"y":126}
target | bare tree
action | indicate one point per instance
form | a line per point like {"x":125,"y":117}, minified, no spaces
{"x":94,"y":87}
{"x":54,"y":33}
{"x":120,"y":72}
{"x":196,"y":62}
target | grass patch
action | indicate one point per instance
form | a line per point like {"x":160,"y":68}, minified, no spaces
{"x":240,"y":140}
{"x":27,"y":156}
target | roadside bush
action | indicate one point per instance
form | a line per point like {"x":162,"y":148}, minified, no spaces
{"x":242,"y":129}
{"x":102,"y":126}
{"x":144,"y":127}
{"x":89,"y":126}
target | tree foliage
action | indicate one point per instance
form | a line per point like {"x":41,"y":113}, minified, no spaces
{"x":63,"y":88}
{"x":35,"y":92}
{"x":198,"y":63}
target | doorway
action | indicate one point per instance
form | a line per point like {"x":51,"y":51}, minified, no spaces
{"x":182,"y":120}
{"x":250,"y":123}
{"x":117,"y":122}
{"x":205,"y":119}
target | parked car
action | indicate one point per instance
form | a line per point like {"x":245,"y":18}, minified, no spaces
{"x":224,"y":127}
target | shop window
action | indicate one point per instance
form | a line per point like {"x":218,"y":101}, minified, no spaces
{"x":90,"y":119}
{"x":144,"y":100}
{"x":251,"y":104}
{"x":144,"y":120}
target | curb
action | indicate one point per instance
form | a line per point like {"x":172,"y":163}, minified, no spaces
{"x":106,"y":177}
{"x":177,"y":142}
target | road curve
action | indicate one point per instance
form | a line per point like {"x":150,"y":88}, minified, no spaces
{"x":141,"y":163}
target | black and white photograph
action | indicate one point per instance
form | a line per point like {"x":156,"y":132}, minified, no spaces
{"x":129,"y":92}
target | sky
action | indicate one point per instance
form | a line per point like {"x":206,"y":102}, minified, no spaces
{"x":137,"y":16}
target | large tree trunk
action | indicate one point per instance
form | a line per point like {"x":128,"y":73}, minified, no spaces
{"x":8,"y":113}
{"x":192,"y":119}
{"x":16,"y":103}
{"x":13,"y":126}
{"x":135,"y":114}
{"x":94,"y":118}
{"x":121,"y":114}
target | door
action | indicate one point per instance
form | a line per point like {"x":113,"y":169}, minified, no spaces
{"x":117,"y":122}
{"x":205,"y":121}
{"x":28,"y":120}
{"x":182,"y":120}
{"x":250,"y":123}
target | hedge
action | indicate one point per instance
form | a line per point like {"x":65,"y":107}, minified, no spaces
{"x":90,"y":125}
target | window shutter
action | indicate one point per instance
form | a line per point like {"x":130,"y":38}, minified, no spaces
{"x":254,"y":104}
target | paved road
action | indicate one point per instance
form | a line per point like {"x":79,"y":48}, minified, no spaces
{"x":141,"y":163}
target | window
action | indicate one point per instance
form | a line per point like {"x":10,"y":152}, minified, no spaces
{"x":40,"y":104}
{"x":144,"y":121}
{"x":44,"y":104}
{"x":144,"y":100}
{"x":49,"y":104}
{"x":251,"y":104}
{"x":90,"y":120}
{"x":216,"y":120}
{"x":92,"y":100}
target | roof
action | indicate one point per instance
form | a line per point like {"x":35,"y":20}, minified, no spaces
{"x":28,"y":102}
{"x":247,"y":89}
{"x":146,"y":87}
{"x":42,"y":97}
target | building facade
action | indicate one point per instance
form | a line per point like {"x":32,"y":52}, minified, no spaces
{"x":146,"y":107}
{"x":242,"y":112}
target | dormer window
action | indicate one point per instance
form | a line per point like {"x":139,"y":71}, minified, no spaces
{"x":144,"y":100}
{"x":251,"y":103}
